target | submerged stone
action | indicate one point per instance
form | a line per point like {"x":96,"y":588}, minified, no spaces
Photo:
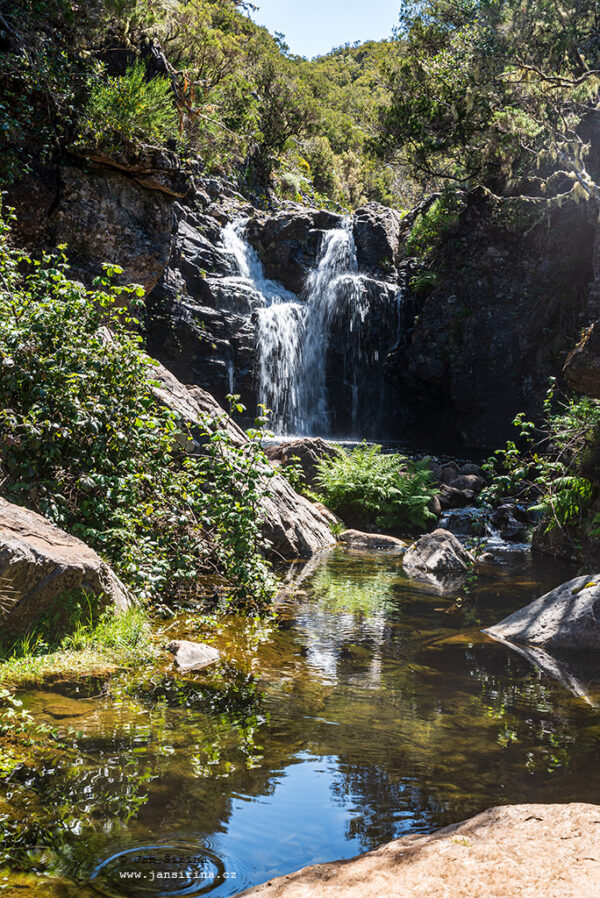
{"x":193,"y":655}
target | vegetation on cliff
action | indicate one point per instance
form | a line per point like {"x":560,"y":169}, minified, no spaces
{"x":85,"y":442}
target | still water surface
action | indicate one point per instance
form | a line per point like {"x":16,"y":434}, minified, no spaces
{"x":371,"y":707}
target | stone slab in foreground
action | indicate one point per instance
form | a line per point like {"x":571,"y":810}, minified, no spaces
{"x":39,"y":562}
{"x":518,"y":851}
{"x":568,"y":617}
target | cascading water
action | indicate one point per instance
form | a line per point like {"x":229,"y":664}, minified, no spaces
{"x":321,"y":348}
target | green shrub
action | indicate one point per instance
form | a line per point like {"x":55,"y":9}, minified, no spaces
{"x":551,"y":467}
{"x":84,"y":441}
{"x":364,"y":486}
{"x":128,"y":108}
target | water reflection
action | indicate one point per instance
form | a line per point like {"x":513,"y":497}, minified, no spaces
{"x":371,"y":707}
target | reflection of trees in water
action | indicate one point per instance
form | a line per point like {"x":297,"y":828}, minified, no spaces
{"x":479,"y":728}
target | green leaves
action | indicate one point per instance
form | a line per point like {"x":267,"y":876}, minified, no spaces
{"x":367,"y":487}
{"x":83,"y":441}
{"x":129,"y":107}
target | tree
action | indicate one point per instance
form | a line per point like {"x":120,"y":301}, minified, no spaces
{"x":497,"y":93}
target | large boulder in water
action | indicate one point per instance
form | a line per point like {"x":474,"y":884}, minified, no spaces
{"x":291,"y":524}
{"x":437,"y":552}
{"x":537,"y":850}
{"x":40,"y":562}
{"x":568,"y":617}
{"x":306,"y":452}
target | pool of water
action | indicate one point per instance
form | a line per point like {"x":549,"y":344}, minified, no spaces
{"x":372,"y":706}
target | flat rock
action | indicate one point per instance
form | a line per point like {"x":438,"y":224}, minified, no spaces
{"x":568,"y":617}
{"x":193,"y":655}
{"x":371,"y":542}
{"x":39,"y":562}
{"x":532,"y":850}
{"x":437,"y":552}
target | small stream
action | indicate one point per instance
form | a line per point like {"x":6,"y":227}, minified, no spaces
{"x":370,"y":708}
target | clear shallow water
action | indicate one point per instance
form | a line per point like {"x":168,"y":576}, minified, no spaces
{"x":371,"y":708}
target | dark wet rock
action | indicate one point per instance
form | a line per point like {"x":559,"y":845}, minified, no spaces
{"x":371,"y":542}
{"x":554,"y":852}
{"x":155,"y":168}
{"x":306,"y":451}
{"x":288,"y":243}
{"x":437,"y":552}
{"x":553,"y":541}
{"x":377,"y":237}
{"x":470,"y":468}
{"x":582,"y":367}
{"x":512,"y":524}
{"x":193,"y":655}
{"x":568,"y":617}
{"x":449,"y":472}
{"x":39,"y":563}
{"x":435,"y":506}
{"x":291,"y":524}
{"x":468,"y":482}
{"x":450,"y":497}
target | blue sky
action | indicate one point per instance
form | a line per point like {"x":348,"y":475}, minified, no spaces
{"x":313,"y":27}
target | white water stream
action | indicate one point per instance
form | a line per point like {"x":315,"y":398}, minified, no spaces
{"x":293,"y":335}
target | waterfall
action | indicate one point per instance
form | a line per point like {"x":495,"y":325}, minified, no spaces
{"x":320,"y":346}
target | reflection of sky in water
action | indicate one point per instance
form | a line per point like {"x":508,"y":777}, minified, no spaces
{"x":300,"y":823}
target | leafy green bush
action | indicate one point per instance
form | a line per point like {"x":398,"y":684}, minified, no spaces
{"x":552,"y":467}
{"x":130,"y":107}
{"x":430,"y":227}
{"x":364,"y":487}
{"x":84,"y":441}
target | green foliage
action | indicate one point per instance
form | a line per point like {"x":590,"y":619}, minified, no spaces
{"x":545,"y":466}
{"x":366,"y":486}
{"x":128,"y":108}
{"x":431,"y":227}
{"x":493,"y":93}
{"x":85,"y":442}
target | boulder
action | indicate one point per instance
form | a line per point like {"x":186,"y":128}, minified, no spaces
{"x":568,"y":617}
{"x":377,"y":238}
{"x":193,"y":655}
{"x":40,"y":562}
{"x":511,"y":522}
{"x":437,"y":552}
{"x":582,"y":368}
{"x":307,"y":452}
{"x":533,"y":850}
{"x":470,"y":468}
{"x":291,"y":524}
{"x":371,"y":542}
{"x":450,"y":497}
{"x":331,"y":518}
{"x":468,"y":482}
{"x":449,"y":472}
